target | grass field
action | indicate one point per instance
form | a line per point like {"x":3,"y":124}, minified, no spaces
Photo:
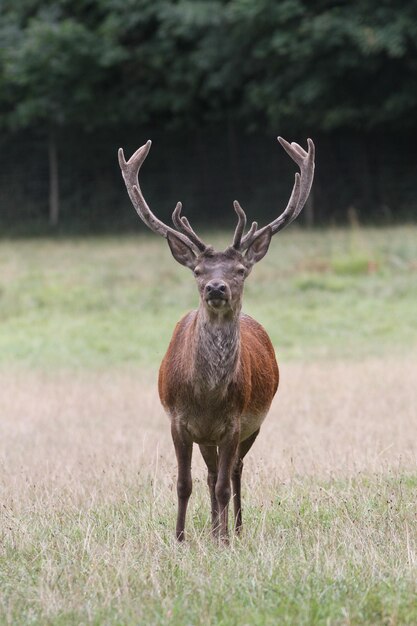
{"x":87,"y":471}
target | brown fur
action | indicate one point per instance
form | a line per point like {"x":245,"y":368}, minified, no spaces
{"x":246,"y":394}
{"x":217,"y":381}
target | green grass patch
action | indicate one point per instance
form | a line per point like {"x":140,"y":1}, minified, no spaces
{"x":352,"y":265}
{"x":99,"y":302}
{"x":336,"y":552}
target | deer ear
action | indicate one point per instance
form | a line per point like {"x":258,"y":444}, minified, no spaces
{"x":181,"y":252}
{"x":259,"y":247}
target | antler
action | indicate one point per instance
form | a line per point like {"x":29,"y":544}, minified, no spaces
{"x":299,"y":195}
{"x":130,"y":172}
{"x":183,"y":224}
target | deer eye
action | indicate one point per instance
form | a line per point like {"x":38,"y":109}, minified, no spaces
{"x":240,"y":271}
{"x":197,"y":271}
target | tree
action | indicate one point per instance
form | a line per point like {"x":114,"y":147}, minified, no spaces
{"x":327,"y":64}
{"x":55,"y":67}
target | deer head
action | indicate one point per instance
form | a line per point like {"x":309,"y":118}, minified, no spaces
{"x":220,"y":276}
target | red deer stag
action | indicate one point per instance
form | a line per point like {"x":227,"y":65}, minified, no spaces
{"x":219,"y":375}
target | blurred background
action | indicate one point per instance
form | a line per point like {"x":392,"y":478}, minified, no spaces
{"x":212,"y":83}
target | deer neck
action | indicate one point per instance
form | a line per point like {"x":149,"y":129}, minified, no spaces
{"x":216,"y":349}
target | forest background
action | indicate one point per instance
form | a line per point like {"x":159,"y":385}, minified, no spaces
{"x":212,"y":83}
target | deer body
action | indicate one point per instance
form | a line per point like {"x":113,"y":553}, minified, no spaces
{"x":215,"y":377}
{"x":219,"y":375}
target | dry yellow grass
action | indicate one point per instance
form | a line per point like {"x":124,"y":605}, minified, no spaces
{"x":89,"y":434}
{"x":88,"y":504}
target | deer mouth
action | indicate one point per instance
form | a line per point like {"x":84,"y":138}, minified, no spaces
{"x":217,"y":302}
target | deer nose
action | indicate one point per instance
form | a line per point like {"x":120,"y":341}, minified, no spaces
{"x":216,"y":288}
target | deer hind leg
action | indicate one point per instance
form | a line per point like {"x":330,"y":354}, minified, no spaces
{"x":244,"y":447}
{"x":183,"y":450}
{"x":211,"y":459}
{"x":227,"y":459}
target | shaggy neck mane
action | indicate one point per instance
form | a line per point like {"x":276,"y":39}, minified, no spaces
{"x":216,"y":349}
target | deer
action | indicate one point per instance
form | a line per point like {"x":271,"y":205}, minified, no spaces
{"x":219,"y":375}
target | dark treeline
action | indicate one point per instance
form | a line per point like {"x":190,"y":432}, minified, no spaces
{"x":212,"y":82}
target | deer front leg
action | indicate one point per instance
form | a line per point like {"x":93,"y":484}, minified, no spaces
{"x":183,"y":450}
{"x":227,"y":460}
{"x":244,"y":448}
{"x":210,"y":457}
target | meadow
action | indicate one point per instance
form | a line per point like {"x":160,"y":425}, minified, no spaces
{"x":87,"y":469}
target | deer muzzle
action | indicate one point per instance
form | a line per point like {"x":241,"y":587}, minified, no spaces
{"x":217,"y":294}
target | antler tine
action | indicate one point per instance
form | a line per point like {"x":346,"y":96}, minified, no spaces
{"x":282,"y":220}
{"x":130,"y":172}
{"x":181,"y":222}
{"x":305,"y":161}
{"x":240,"y":227}
{"x":252,"y":230}
{"x":299,"y":194}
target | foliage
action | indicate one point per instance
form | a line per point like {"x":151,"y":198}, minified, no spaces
{"x":328,"y":64}
{"x":57,"y":64}
{"x":295,"y":63}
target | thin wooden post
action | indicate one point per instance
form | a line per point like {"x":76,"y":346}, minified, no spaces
{"x":53,"y":180}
